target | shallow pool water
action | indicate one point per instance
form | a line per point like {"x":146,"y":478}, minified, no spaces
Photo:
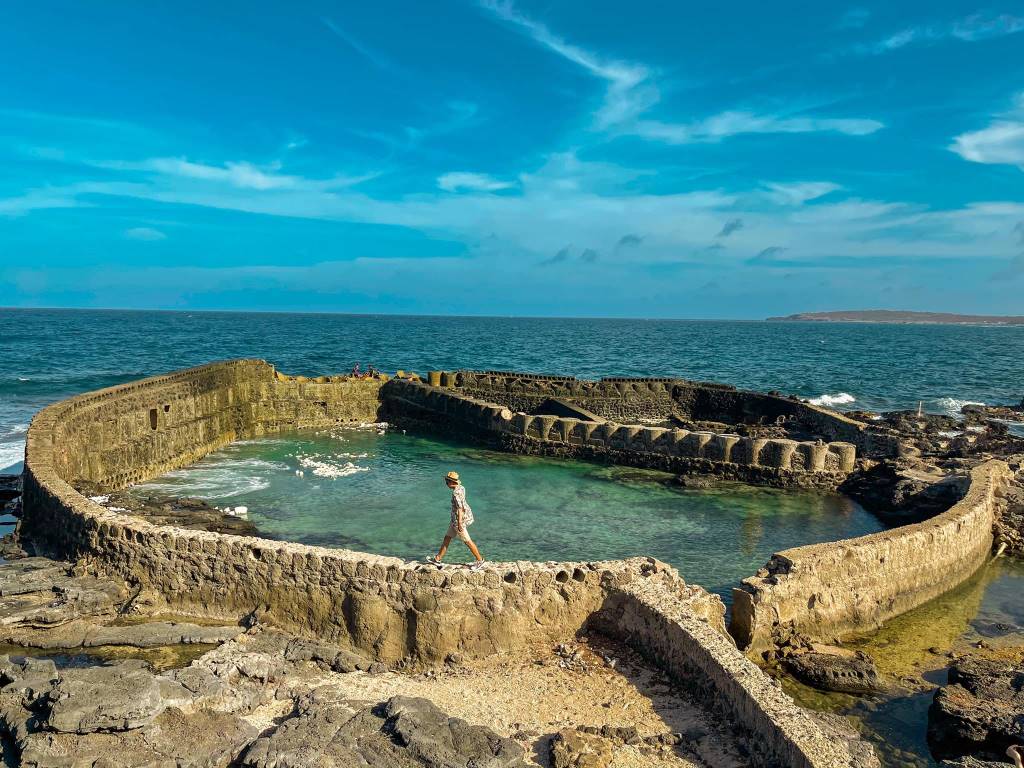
{"x":384,"y":493}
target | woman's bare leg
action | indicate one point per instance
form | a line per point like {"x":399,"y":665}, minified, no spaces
{"x":444,"y":547}
{"x":474,"y":550}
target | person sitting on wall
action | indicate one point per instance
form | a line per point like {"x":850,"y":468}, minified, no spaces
{"x":356,"y":372}
{"x":371,"y":372}
{"x":461,"y":519}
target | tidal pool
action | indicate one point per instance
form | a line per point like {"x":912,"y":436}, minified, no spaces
{"x":383,"y":493}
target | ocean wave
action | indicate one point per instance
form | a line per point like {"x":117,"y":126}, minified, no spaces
{"x":11,"y":454}
{"x":15,"y":430}
{"x":829,"y":401}
{"x":325,"y":468}
{"x":207,"y":483}
{"x":952,"y":406}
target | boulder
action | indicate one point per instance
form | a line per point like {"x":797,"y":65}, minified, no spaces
{"x":842,"y":673}
{"x":113,"y":697}
{"x":571,"y":748}
{"x":980,"y":710}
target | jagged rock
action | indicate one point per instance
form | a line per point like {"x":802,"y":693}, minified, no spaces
{"x":844,"y":673}
{"x":39,"y":592}
{"x":26,"y":681}
{"x":329,"y":656}
{"x":113,"y":697}
{"x":403,"y":733}
{"x":571,"y":748}
{"x":172,"y":740}
{"x":980,"y":710}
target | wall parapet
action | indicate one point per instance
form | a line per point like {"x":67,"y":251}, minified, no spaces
{"x":658,"y":447}
{"x":831,"y":589}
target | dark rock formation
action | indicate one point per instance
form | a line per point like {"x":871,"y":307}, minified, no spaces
{"x":980,"y":711}
{"x":181,"y":512}
{"x":402,"y":733}
{"x":904,"y":491}
{"x":852,"y":673}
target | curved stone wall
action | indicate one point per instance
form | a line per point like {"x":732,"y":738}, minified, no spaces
{"x":632,"y":400}
{"x":827,"y":590}
{"x":769,"y":461}
{"x":386,"y":607}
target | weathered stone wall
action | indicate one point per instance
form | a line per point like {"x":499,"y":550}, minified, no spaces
{"x":385,"y":607}
{"x":767,"y":461}
{"x":655,"y":622}
{"x":640,"y":400}
{"x":827,"y":590}
{"x":115,"y":437}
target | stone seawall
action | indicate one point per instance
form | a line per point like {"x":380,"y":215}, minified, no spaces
{"x":387,"y":608}
{"x":827,"y":590}
{"x":633,"y":400}
{"x":768,"y":461}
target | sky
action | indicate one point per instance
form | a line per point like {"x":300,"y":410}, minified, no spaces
{"x":649,"y":159}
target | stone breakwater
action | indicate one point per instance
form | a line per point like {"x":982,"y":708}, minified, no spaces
{"x":770,"y":461}
{"x":385,"y":608}
{"x":827,"y":590}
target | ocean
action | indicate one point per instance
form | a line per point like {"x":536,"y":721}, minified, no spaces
{"x":52,"y":354}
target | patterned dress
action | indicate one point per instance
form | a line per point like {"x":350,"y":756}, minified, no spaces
{"x":459,"y":503}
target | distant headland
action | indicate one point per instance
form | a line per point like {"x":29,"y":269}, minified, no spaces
{"x":899,"y":316}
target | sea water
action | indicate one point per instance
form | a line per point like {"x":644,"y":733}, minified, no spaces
{"x":384,"y":493}
{"x":53,"y":354}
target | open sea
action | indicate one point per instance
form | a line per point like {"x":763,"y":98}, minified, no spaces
{"x":51,"y":354}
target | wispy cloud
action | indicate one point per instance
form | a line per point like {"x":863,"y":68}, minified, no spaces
{"x":631,"y":91}
{"x":629,"y":88}
{"x":968,"y":29}
{"x":560,"y":257}
{"x":767,"y":255}
{"x":40,"y":199}
{"x":799,"y":192}
{"x":370,"y":54}
{"x":735,"y":123}
{"x":1001,"y":142}
{"x":732,"y":225}
{"x":629,"y":241}
{"x":243,"y":175}
{"x":589,"y":256}
{"x":473,"y":182}
{"x":145,"y":234}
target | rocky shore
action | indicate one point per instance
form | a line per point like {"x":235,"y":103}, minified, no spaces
{"x":92,"y":677}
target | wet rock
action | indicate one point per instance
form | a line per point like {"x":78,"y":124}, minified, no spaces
{"x":980,"y":710}
{"x":114,"y":697}
{"x":10,"y":487}
{"x":571,"y":748}
{"x":905,"y":490}
{"x":180,"y":512}
{"x":853,"y":673}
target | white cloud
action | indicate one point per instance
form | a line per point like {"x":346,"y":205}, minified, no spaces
{"x":40,"y":199}
{"x":243,"y":175}
{"x":727,"y":124}
{"x":631,"y":91}
{"x":999,"y":143}
{"x":969,"y":29}
{"x":146,"y":234}
{"x":473,"y":182}
{"x":797,"y":193}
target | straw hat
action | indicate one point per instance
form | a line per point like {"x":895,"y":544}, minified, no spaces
{"x":452,"y":476}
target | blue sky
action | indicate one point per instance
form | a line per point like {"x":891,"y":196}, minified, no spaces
{"x":647,"y":159}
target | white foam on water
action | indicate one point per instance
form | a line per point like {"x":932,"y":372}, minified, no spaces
{"x":209,"y":483}
{"x":24,"y":378}
{"x":950,"y":433}
{"x":11,"y":454}
{"x":15,"y":430}
{"x":326,"y":468}
{"x":99,"y":499}
{"x":952,"y":406}
{"x":839,"y":398}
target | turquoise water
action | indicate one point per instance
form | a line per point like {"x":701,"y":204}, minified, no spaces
{"x":52,"y":354}
{"x":385,"y":494}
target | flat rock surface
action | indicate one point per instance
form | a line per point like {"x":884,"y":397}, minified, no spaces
{"x":981,"y":710}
